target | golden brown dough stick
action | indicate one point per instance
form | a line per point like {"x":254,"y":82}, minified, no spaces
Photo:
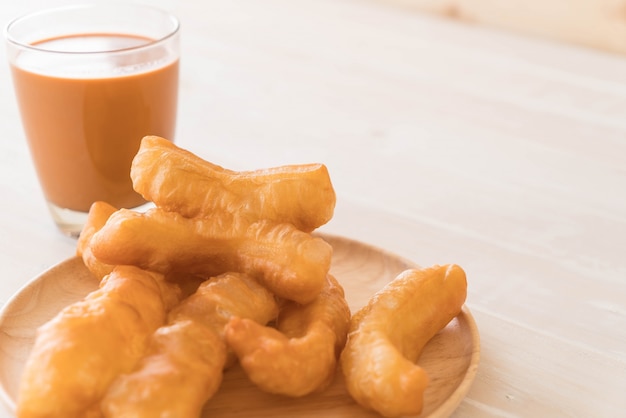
{"x":387,"y":335}
{"x":291,"y":263}
{"x":184,"y":366}
{"x":79,"y":352}
{"x":300,"y":356}
{"x":99,"y":213}
{"x":179,"y":181}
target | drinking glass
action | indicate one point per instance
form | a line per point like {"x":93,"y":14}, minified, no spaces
{"x":91,"y":81}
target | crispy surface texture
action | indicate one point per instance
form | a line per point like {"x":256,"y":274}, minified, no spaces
{"x":184,"y":365}
{"x":179,"y":181}
{"x":99,"y":213}
{"x":387,"y":335}
{"x":80,"y":351}
{"x":300,"y":355}
{"x":291,"y":263}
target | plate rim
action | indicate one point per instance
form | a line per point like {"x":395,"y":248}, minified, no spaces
{"x":444,"y":410}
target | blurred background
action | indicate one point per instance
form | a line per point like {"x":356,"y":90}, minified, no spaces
{"x":599,"y":24}
{"x":592,"y":23}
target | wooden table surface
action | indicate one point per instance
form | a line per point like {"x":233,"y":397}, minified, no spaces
{"x":446,"y":143}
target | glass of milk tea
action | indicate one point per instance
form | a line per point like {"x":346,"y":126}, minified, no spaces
{"x":91,"y":81}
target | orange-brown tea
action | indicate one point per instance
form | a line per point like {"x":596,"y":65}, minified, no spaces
{"x":84,"y":124}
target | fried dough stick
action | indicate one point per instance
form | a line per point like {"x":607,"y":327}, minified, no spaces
{"x":291,"y":263}
{"x":79,"y":352}
{"x":184,"y":366}
{"x":99,"y":213}
{"x":179,"y":181}
{"x":300,"y":356}
{"x":387,"y":335}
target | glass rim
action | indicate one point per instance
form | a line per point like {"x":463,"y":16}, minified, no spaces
{"x":152,"y":42}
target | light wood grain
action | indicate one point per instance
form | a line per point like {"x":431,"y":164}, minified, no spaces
{"x":451,"y":358}
{"x":592,"y":23}
{"x":447,"y":142}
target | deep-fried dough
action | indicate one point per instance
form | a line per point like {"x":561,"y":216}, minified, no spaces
{"x":179,"y":181}
{"x":291,"y":263}
{"x":388,"y":334}
{"x":78,"y":353}
{"x":299,"y":357}
{"x":99,"y":213}
{"x":183,"y":368}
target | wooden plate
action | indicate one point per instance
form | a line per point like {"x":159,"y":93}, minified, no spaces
{"x":450,"y":358}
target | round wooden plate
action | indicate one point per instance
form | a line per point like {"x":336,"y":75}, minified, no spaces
{"x":450,"y":358}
